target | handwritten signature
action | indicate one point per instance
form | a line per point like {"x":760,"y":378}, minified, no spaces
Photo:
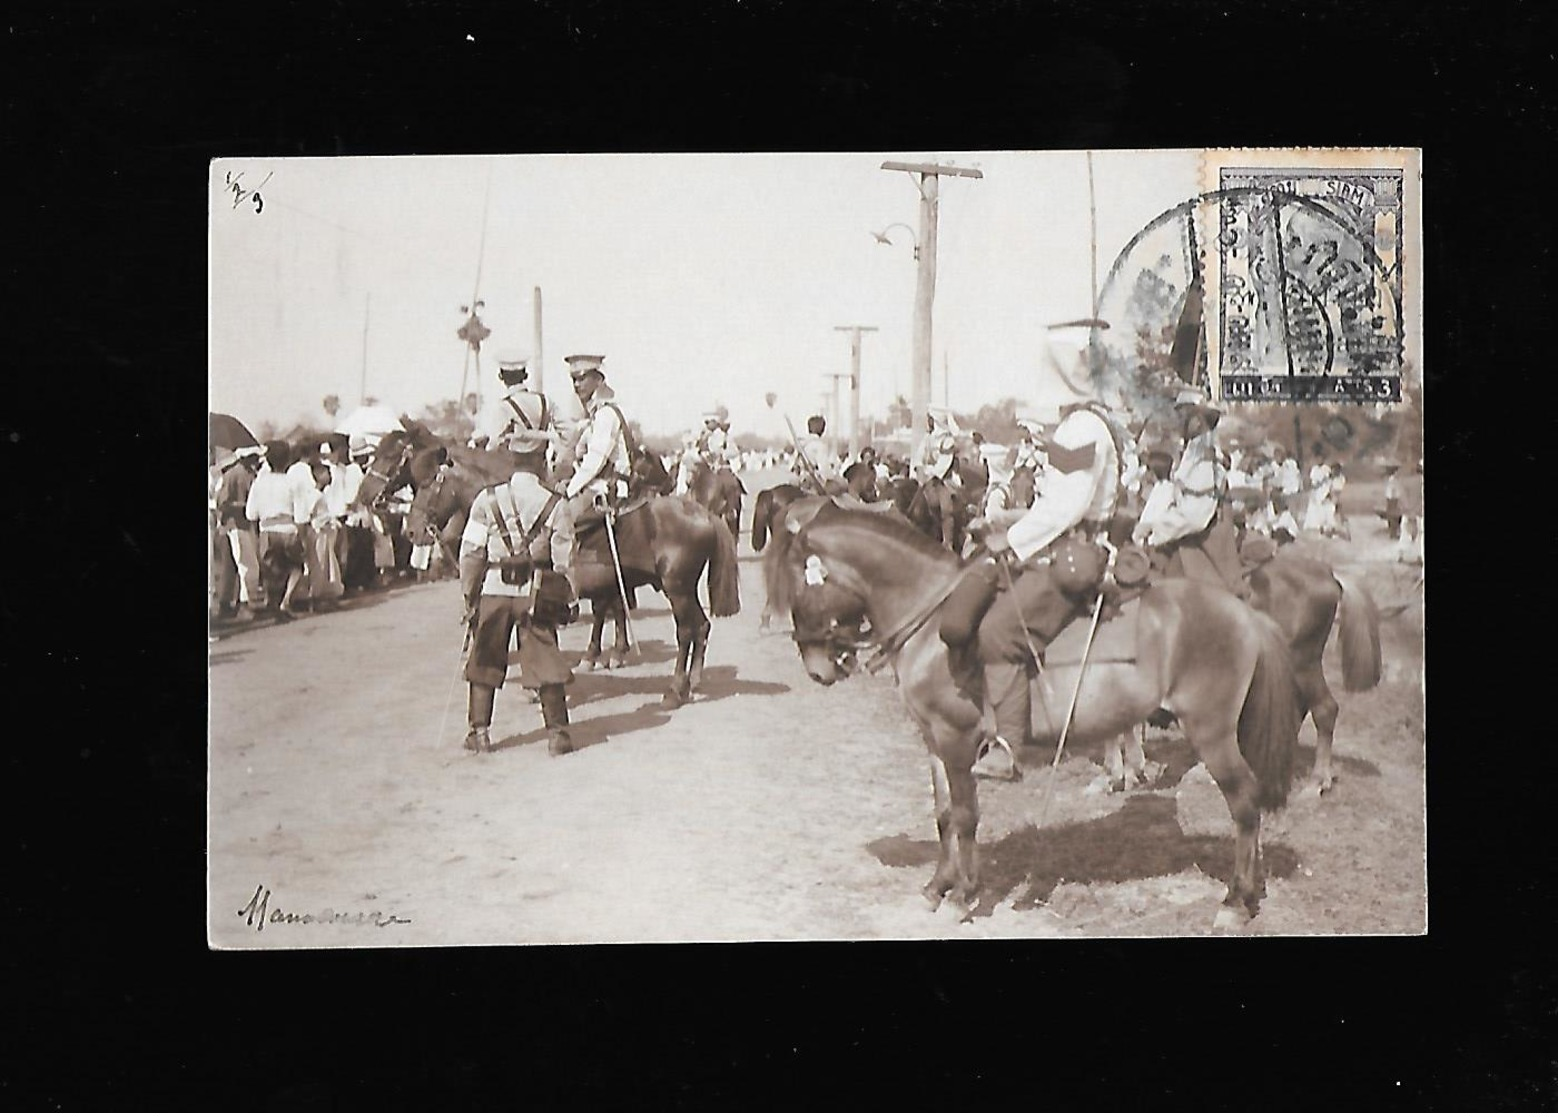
{"x":258,"y":912}
{"x":242,"y":193}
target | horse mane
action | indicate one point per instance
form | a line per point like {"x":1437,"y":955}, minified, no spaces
{"x":781,"y":572}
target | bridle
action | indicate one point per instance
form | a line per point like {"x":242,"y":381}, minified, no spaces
{"x":843,"y":644}
{"x":387,"y":478}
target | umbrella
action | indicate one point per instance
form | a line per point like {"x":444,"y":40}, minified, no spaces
{"x":228,"y":433}
{"x":371,"y":422}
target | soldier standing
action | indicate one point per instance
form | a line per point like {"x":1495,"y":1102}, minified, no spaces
{"x":518,"y":532}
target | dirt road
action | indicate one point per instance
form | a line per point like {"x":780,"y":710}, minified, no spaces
{"x":770,"y":808}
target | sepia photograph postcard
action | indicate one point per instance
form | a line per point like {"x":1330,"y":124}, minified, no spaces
{"x":874,"y":545}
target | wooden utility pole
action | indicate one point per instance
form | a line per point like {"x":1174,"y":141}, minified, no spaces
{"x":854,"y":383}
{"x":927,"y":178}
{"x":835,"y":409}
{"x":362,"y":389}
{"x":539,"y":363}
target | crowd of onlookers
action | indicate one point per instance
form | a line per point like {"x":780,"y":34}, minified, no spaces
{"x":287,"y":534}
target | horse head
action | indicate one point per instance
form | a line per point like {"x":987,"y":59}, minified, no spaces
{"x":647,"y":474}
{"x":409,"y":457}
{"x":830,"y":621}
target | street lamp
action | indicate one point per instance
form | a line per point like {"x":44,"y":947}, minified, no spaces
{"x":882,"y":237}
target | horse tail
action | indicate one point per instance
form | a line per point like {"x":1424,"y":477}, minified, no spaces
{"x":1361,"y":658}
{"x":1272,"y":713}
{"x":724,"y":573}
{"x":760,"y":513}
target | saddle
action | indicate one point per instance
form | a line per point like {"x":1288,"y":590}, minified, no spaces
{"x":635,"y":540}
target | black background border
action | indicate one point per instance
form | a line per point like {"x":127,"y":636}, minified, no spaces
{"x":111,"y":117}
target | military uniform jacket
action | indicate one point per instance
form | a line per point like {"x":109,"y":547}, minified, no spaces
{"x":520,"y":500}
{"x":602,"y":452}
{"x":938,"y":454}
{"x":499,"y":417}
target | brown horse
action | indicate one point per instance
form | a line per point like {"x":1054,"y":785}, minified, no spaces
{"x":1308,"y":601}
{"x":943,"y":510}
{"x":720,"y":491}
{"x":682,"y":540}
{"x":854,"y":579}
{"x":1306,"y":598}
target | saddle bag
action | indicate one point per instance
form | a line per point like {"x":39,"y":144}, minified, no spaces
{"x":553,"y":599}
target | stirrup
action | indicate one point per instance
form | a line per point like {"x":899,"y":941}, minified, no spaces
{"x":989,"y":747}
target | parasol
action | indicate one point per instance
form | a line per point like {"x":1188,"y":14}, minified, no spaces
{"x":228,"y":434}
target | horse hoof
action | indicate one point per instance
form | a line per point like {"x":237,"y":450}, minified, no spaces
{"x":670,"y":700}
{"x":1231,"y":920}
{"x":616,"y":661}
{"x":933,"y":895}
{"x":961,"y":901}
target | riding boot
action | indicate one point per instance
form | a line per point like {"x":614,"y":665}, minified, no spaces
{"x":554,"y":714}
{"x":480,"y":717}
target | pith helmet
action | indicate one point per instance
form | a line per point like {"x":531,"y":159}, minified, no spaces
{"x":513,"y":367}
{"x":581,"y":365}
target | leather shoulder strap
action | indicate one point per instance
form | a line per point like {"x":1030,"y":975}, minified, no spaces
{"x":541,"y":518}
{"x":503,"y":524}
{"x":627,"y":432}
{"x":523,"y":418}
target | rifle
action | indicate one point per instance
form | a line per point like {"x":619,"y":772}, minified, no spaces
{"x":811,"y":469}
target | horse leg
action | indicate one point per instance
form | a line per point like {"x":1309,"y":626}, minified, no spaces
{"x":1220,"y":752}
{"x":618,"y":656}
{"x":1324,"y":710}
{"x":597,"y":624}
{"x":680,"y":690}
{"x":957,"y":816}
{"x":700,"y":644}
{"x":1146,"y":771}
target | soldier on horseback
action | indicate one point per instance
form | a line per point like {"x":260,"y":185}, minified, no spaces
{"x":519,"y":408}
{"x":602,"y":466}
{"x":1185,"y":518}
{"x":1077,"y":500}
{"x":938,"y":455}
{"x":515,"y":552}
{"x":812,"y":460}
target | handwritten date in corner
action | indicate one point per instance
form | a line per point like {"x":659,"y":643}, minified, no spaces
{"x":234,"y":188}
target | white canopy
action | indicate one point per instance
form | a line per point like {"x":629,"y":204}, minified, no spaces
{"x":370,"y":422}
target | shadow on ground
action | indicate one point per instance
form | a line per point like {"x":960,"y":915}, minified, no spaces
{"x":1178,"y":757}
{"x":718,"y":683}
{"x":1140,"y":841}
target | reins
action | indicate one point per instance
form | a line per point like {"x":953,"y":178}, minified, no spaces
{"x":889,"y":646}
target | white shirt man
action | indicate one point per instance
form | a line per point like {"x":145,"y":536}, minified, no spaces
{"x":1185,"y":503}
{"x":1080,"y":483}
{"x":501,"y":416}
{"x":938,"y":453}
{"x":601,"y":455}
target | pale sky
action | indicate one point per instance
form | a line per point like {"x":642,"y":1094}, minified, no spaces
{"x":705,"y":279}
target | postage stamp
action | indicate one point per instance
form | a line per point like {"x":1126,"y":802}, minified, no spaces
{"x":1311,"y":272}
